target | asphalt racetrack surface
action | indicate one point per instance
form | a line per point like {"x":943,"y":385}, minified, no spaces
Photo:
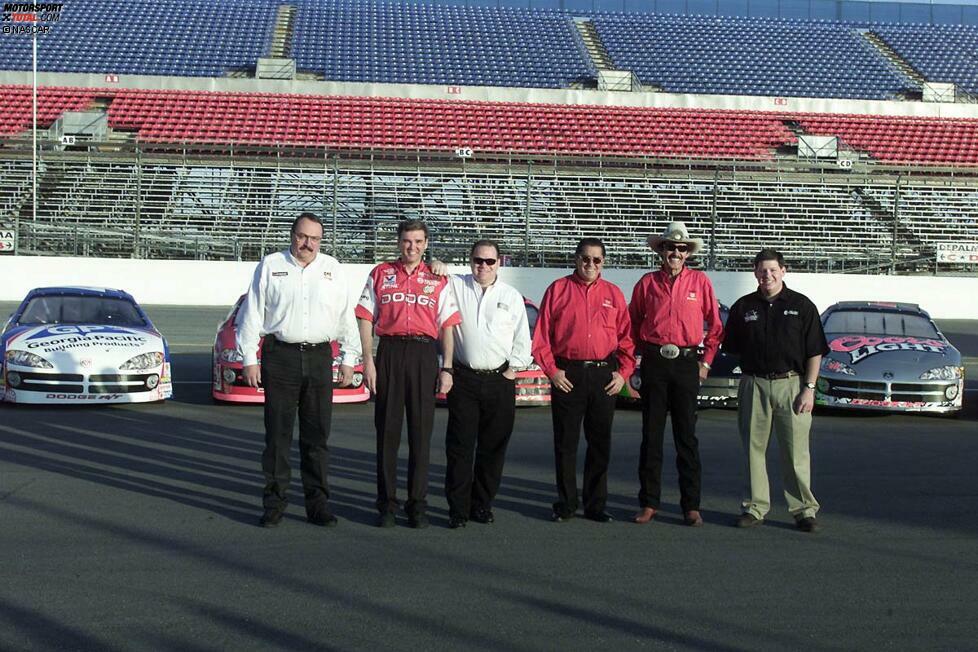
{"x":135,"y":528}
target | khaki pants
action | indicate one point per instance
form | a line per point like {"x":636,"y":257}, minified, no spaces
{"x":766,"y":405}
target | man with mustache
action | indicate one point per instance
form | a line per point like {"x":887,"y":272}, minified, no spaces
{"x":668,"y":310}
{"x":409,"y":308}
{"x":583,"y":342}
{"x":299,"y":302}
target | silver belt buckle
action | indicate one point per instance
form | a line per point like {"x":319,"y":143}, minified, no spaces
{"x":669,"y":351}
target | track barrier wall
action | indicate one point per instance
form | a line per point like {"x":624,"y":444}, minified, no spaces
{"x":190,"y":282}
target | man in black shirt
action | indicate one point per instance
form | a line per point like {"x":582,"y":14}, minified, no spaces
{"x":778,"y":336}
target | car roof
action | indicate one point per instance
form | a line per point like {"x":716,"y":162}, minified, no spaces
{"x":879,"y":306}
{"x":79,"y":291}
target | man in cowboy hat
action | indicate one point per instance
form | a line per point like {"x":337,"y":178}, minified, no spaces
{"x":668,"y":309}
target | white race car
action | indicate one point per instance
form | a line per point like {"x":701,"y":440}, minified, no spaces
{"x":74,"y":345}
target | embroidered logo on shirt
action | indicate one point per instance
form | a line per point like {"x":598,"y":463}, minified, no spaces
{"x":750,"y":316}
{"x":429,"y":289}
{"x":502,"y":306}
{"x":280,"y":273}
{"x":390,"y":281}
{"x":608,"y":303}
{"x":791,"y":312}
{"x":328,"y":276}
{"x":692,"y":296}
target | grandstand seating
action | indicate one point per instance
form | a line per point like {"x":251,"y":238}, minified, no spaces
{"x":357,"y":40}
{"x":376,"y":41}
{"x":941,"y":53}
{"x":750,"y":56}
{"x":395,"y":123}
{"x":149,"y":37}
{"x":263,"y":119}
{"x":901,"y":139}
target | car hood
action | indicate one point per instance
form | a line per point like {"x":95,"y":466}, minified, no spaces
{"x":63,"y":344}
{"x":903,"y":357}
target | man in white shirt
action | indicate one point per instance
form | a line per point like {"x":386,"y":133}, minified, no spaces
{"x":299,"y":302}
{"x":492,"y":341}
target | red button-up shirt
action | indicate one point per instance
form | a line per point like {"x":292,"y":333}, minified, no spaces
{"x":674,"y":311}
{"x":578,"y":321}
{"x":400,"y":303}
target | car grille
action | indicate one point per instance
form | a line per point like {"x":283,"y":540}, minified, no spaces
{"x":903,"y":392}
{"x":118,"y":383}
{"x":40,"y":382}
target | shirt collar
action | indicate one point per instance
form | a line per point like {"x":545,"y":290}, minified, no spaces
{"x":399,"y":264}
{"x":577,"y":279}
{"x":295,"y":261}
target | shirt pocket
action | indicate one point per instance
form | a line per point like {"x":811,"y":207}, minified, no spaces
{"x":502,"y":324}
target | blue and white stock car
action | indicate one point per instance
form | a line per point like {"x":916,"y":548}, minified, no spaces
{"x":76,"y":345}
{"x":890,"y":357}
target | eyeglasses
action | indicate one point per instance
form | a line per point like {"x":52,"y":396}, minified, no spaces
{"x":588,"y":260}
{"x":488,"y":262}
{"x":672,"y":246}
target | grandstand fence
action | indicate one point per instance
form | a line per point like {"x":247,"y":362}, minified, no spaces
{"x":227,"y":206}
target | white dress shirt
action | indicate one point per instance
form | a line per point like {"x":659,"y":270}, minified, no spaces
{"x":494,"y":327}
{"x":298,"y":304}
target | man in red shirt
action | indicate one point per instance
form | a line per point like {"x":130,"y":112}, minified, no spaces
{"x":669,"y":308}
{"x":409,"y":308}
{"x":583,"y":343}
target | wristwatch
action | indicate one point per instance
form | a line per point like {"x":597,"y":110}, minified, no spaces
{"x":810,"y":385}
{"x":451,"y":372}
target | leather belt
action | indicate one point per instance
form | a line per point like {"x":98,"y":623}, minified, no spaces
{"x":300,"y":346}
{"x":409,"y":338}
{"x":564,"y":363}
{"x":483,"y":372}
{"x":777,"y":376}
{"x":671,"y":351}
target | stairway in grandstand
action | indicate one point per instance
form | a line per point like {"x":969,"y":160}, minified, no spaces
{"x":898,"y":62}
{"x":595,"y":48}
{"x":281,"y":46}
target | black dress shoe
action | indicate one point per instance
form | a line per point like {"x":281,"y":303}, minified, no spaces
{"x":418,"y":520}
{"x":600,"y":517}
{"x":482,"y":516}
{"x":808,"y":524}
{"x":455,"y":522}
{"x":561,"y":517}
{"x":271,"y":517}
{"x":322,"y":517}
{"x":385,"y":519}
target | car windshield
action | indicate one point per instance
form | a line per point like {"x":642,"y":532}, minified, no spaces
{"x":876,"y":322}
{"x":531,"y":317}
{"x":80,"y":310}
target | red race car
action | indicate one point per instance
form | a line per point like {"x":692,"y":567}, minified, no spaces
{"x":532,"y":385}
{"x":226,"y":365}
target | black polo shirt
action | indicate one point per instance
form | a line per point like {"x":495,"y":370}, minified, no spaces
{"x":776,"y":336}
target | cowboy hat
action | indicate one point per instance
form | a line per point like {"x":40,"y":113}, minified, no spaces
{"x":675,"y":232}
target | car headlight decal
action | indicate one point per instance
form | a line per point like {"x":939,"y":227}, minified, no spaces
{"x":143,"y":361}
{"x":27,"y":359}
{"x":943,"y":373}
{"x":231,"y":355}
{"x":837,"y":367}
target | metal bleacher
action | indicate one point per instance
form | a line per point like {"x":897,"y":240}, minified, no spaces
{"x":220,"y":208}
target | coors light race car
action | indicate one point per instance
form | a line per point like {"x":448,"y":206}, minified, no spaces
{"x":229,"y":385}
{"x":888,"y":356}
{"x":75,"y":345}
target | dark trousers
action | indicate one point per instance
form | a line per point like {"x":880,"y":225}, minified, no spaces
{"x":303,"y":379}
{"x":669,"y":386}
{"x":587,"y":403}
{"x":481,"y":412}
{"x":407,"y":371}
